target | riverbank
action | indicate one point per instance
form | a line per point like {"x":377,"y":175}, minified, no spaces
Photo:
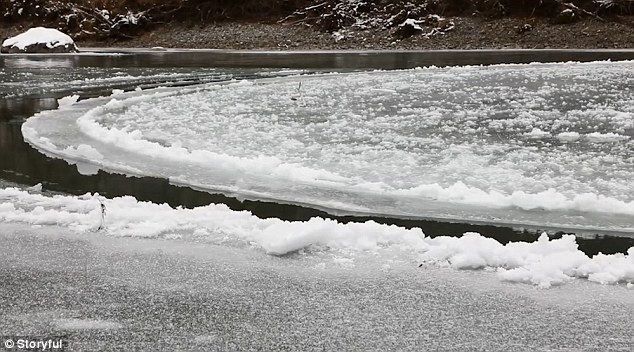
{"x":469,"y":33}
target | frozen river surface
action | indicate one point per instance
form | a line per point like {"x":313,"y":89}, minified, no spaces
{"x":113,"y":294}
{"x":538,"y":144}
{"x":549,"y":145}
{"x":541,"y":144}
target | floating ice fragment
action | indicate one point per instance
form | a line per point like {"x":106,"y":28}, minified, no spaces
{"x":67,"y":101}
{"x":597,"y":137}
{"x":537,"y":133}
{"x":87,"y":169}
{"x":568,"y":136}
{"x":84,"y":151}
{"x":35,"y":188}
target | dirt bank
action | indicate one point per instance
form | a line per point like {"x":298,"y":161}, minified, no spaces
{"x":468,"y":33}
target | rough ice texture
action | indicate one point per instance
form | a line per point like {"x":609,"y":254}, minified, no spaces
{"x":39,"y":39}
{"x":543,"y":263}
{"x":554,"y":137}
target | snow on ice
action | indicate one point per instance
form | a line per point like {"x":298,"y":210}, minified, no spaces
{"x":543,"y":263}
{"x":539,"y":137}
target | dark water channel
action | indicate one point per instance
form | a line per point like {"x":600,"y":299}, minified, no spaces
{"x":34,"y":83}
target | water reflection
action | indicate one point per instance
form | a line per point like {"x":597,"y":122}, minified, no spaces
{"x":307,"y":59}
{"x":27,"y":62}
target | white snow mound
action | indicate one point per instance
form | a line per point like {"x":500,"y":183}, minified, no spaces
{"x":52,"y":38}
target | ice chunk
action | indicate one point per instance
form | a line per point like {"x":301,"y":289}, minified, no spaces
{"x":67,"y":101}
{"x":568,"y":136}
{"x":597,"y":137}
{"x":537,"y":133}
{"x":84,"y":151}
{"x":35,"y":188}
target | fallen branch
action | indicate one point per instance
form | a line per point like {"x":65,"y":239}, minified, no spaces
{"x":574,"y":7}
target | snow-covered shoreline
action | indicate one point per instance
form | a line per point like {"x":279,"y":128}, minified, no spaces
{"x":184,"y":295}
{"x":543,"y":263}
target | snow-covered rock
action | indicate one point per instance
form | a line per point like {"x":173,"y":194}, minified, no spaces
{"x":428,"y":26}
{"x":408,"y":28}
{"x":40,"y":40}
